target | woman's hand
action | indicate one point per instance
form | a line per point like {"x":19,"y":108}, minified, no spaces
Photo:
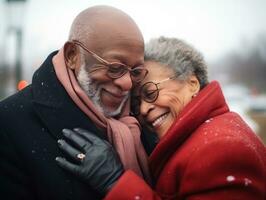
{"x":98,"y":163}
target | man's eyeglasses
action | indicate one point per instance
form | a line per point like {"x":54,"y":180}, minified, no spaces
{"x":115,"y":69}
{"x":148,"y":92}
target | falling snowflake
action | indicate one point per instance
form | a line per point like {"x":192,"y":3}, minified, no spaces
{"x":247,"y":181}
{"x":230,"y":178}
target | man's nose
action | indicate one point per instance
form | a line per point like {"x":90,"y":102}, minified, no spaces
{"x":124,"y":82}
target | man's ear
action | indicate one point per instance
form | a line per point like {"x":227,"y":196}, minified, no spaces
{"x":194,"y":84}
{"x":71,"y":54}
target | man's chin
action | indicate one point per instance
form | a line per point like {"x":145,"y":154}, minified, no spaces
{"x":111,"y":112}
{"x":114,"y":109}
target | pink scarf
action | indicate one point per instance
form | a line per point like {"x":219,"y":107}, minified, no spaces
{"x":123,"y":134}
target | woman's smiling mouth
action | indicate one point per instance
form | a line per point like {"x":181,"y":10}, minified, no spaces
{"x":157,"y":122}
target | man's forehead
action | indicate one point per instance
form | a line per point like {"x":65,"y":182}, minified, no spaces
{"x":103,"y":40}
{"x":118,"y":48}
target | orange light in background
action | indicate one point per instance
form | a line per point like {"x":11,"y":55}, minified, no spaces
{"x":22,"y":84}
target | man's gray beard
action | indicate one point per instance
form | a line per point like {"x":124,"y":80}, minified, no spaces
{"x":93,"y":92}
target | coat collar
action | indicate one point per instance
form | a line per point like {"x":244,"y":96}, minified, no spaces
{"x":53,"y":105}
{"x":47,"y":90}
{"x":208,"y":103}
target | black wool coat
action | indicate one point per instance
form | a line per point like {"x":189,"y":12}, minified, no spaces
{"x":31,"y":122}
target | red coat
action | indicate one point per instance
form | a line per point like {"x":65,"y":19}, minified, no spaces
{"x":209,"y":153}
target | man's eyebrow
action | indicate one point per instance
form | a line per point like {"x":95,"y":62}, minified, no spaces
{"x":121,"y":59}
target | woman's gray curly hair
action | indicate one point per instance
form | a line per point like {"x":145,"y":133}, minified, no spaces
{"x":178,"y":55}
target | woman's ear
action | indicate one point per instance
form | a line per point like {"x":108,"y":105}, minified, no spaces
{"x":71,"y":54}
{"x":194,"y":84}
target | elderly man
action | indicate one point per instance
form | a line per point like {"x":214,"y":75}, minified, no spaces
{"x":85,"y":84}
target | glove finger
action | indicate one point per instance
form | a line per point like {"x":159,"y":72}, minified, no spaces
{"x":71,"y":151}
{"x":62,"y":162}
{"x":91,"y":137}
{"x":75,"y":138}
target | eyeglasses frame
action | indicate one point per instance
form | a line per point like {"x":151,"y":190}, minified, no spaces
{"x":157,"y":90}
{"x":105,"y":63}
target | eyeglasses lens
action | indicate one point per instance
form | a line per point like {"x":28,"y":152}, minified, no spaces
{"x":149,"y":92}
{"x":118,"y":70}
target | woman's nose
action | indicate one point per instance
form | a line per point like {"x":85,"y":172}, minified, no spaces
{"x":145,"y":108}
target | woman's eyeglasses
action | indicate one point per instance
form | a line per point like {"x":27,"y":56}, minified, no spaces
{"x":115,"y":69}
{"x":148,"y":92}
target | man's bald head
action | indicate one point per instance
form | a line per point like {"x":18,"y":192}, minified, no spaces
{"x":114,"y":37}
{"x":101,"y":23}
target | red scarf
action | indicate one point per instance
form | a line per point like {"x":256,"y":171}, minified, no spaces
{"x":123,"y":134}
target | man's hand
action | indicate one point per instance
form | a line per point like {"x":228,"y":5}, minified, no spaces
{"x":99,"y":165}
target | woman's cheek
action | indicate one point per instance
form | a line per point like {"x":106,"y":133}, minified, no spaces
{"x":174,"y":103}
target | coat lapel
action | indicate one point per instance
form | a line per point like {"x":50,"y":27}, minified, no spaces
{"x":53,"y":105}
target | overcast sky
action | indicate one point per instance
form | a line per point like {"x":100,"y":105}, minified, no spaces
{"x":213,"y":27}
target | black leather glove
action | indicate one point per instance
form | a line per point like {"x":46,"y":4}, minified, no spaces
{"x":97,"y":162}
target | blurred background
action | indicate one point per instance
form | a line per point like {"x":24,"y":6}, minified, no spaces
{"x":230,"y":34}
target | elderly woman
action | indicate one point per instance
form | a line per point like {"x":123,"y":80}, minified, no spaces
{"x":205,"y":151}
